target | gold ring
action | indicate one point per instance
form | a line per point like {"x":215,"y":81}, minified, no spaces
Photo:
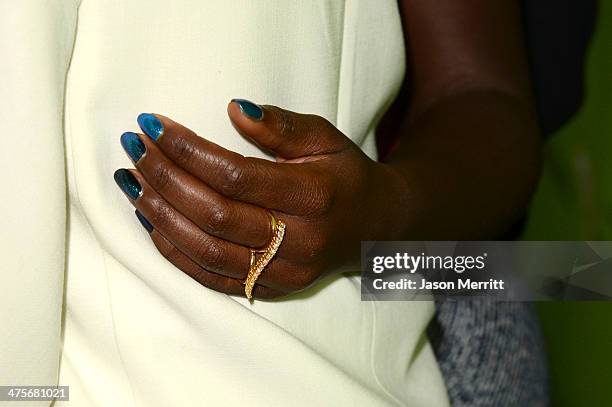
{"x":273,"y":223}
{"x":253,"y":258}
{"x":258,"y":265}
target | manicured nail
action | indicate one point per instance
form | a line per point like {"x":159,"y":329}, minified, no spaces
{"x":151,"y":125}
{"x":143,"y":221}
{"x":128,"y":183}
{"x":133,"y":146}
{"x":250,"y":109}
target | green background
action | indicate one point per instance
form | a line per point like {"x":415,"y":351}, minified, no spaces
{"x":574,"y":202}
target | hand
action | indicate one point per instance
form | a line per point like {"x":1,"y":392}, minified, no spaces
{"x":205,"y":206}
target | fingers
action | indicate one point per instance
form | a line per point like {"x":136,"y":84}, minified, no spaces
{"x":208,"y":252}
{"x":215,"y":214}
{"x":284,"y":187}
{"x":211,"y":280}
{"x":288,"y":134}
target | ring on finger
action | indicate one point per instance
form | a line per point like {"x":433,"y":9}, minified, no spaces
{"x":257,"y":266}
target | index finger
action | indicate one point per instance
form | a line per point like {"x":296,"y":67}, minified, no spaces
{"x":285,"y":187}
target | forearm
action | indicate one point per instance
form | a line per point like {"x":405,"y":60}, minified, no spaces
{"x":469,"y":164}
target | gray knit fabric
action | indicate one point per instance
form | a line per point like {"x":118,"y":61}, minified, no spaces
{"x":490,"y":353}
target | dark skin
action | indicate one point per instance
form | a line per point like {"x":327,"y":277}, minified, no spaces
{"x":465,"y":168}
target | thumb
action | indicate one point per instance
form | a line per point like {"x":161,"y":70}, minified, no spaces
{"x":287,"y":134}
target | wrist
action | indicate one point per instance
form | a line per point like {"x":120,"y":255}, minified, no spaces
{"x":397,"y":202}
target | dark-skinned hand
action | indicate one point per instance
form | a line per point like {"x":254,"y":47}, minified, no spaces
{"x":205,"y":206}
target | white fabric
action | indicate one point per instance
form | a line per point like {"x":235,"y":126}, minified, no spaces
{"x":137,"y":331}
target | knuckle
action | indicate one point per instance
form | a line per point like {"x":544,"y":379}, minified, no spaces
{"x":235,"y":178}
{"x":328,"y":127}
{"x":217,"y":220}
{"x":286,"y":122}
{"x":320,"y":128}
{"x":209,"y":255}
{"x":184,"y":150}
{"x":320,"y":200}
{"x":319,"y":122}
{"x":162,"y":174}
{"x":314,"y":248}
{"x":163,"y":215}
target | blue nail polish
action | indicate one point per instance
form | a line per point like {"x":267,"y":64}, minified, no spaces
{"x":143,"y":221}
{"x":151,"y":125}
{"x":133,"y":146}
{"x":128,"y":183}
{"x":250,"y":109}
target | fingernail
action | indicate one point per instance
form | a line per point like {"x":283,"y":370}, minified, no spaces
{"x":133,"y":146}
{"x":128,"y":183}
{"x":151,"y":125}
{"x":143,"y":221}
{"x":250,"y":109}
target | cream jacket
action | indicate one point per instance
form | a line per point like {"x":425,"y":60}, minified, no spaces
{"x":85,"y":298}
